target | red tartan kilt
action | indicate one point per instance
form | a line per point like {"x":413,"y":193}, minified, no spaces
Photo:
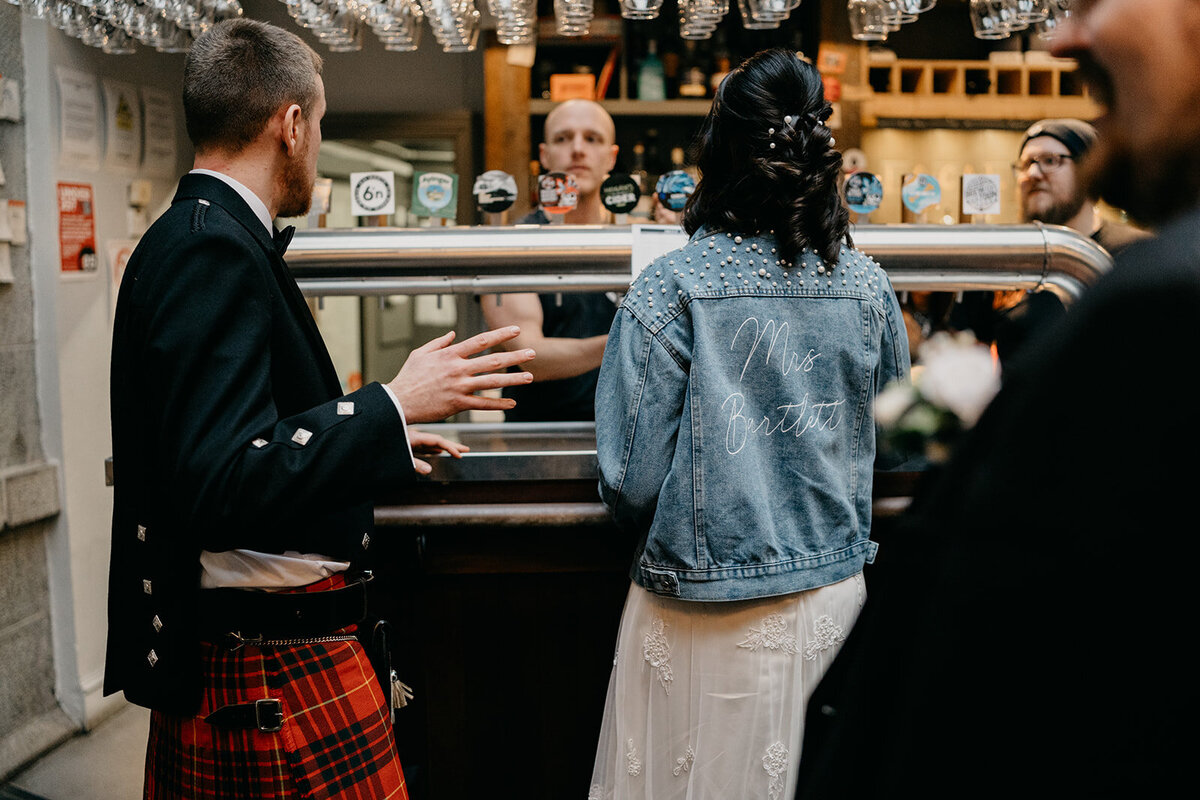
{"x":336,"y":740}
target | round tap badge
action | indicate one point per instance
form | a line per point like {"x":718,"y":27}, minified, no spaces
{"x":373,"y":194}
{"x":864,"y":192}
{"x":435,"y":190}
{"x":620,"y":193}
{"x":495,"y":191}
{"x":557,"y":192}
{"x":981,"y":194}
{"x":920,"y":192}
{"x":674,"y":188}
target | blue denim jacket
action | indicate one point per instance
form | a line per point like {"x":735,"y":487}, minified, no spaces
{"x":734,"y":424}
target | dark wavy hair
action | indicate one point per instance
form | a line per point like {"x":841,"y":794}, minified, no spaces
{"x":748,"y":186}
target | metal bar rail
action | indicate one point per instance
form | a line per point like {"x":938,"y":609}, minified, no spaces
{"x":562,"y":258}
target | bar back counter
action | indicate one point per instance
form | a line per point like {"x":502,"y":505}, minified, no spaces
{"x":501,"y":572}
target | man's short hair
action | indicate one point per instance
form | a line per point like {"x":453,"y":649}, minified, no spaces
{"x":237,"y":75}
{"x":1074,"y":134}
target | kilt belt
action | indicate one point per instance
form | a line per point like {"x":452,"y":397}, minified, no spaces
{"x":247,"y":616}
{"x":240,"y":617}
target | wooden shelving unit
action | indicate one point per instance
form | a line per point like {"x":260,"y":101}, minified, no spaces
{"x":637,"y":108}
{"x":972,"y":90}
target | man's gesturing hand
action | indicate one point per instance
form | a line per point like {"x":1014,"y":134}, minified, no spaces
{"x":440,"y":378}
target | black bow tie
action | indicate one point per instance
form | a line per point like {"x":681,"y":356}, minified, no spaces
{"x":283,"y":238}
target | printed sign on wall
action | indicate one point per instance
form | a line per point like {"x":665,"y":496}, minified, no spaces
{"x":79,"y":119}
{"x":158,"y":121}
{"x":123,"y":124}
{"x":76,"y":228}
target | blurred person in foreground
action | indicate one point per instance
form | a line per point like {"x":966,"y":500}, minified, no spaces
{"x":244,"y":482}
{"x":736,"y":438}
{"x":1027,"y":628}
{"x":568,"y":330}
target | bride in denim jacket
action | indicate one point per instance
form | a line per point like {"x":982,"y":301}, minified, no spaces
{"x":735,"y":435}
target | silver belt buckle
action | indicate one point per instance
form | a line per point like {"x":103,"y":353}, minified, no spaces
{"x":268,"y":715}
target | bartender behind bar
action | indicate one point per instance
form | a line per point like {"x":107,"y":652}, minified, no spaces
{"x":567,"y":331}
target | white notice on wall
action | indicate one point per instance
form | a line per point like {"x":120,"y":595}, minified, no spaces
{"x":6,"y":273}
{"x":5,"y":223}
{"x":159,"y":115}
{"x":10,"y":99}
{"x":123,"y":126}
{"x":79,"y":119}
{"x":651,"y":241}
{"x":16,"y":223}
{"x":980,"y":194}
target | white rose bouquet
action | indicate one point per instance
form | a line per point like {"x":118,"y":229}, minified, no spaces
{"x":951,"y":385}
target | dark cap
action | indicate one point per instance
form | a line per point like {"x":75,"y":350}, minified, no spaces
{"x":1076,"y":135}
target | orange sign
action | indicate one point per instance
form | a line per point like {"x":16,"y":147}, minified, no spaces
{"x":833,"y":89}
{"x":572,"y":86}
{"x":77,"y":228}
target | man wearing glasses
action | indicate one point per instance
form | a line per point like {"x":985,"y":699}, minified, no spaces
{"x":1047,"y":172}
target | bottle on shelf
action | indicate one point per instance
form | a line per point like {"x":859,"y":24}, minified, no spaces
{"x":651,"y":83}
{"x":693,"y":82}
{"x":535,"y":170}
{"x":654,"y":162}
{"x":638,"y":173}
{"x":677,"y":159}
{"x":671,"y":69}
{"x":719,"y":73}
{"x":641,"y":212}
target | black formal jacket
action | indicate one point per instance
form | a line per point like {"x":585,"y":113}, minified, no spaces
{"x":1029,"y":627}
{"x":229,"y":431}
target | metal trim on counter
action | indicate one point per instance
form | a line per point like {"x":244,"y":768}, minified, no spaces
{"x":538,"y":515}
{"x":560,"y":258}
{"x":517,"y":451}
{"x":494,"y":515}
{"x":520,"y":461}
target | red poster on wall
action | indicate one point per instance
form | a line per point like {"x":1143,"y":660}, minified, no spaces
{"x":77,"y":228}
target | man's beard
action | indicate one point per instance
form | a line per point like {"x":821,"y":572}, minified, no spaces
{"x":297,"y":188}
{"x":1151,"y":188}
{"x":1059,"y":213}
{"x":1152,"y":182}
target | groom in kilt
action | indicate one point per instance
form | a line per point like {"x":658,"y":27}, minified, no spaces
{"x":244,"y":478}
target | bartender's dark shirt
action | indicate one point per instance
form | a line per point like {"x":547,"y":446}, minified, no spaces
{"x":570,"y":315}
{"x":1116,"y":236}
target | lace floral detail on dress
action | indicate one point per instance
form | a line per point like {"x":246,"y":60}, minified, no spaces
{"x":775,"y":763}
{"x":684,"y":762}
{"x":826,"y":634}
{"x":633,"y":762}
{"x":657,"y":652}
{"x":596,"y":792}
{"x":773,"y":635}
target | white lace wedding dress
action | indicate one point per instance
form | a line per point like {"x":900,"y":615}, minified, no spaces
{"x":706,"y":700}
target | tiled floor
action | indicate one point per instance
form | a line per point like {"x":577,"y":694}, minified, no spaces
{"x":105,"y":764}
